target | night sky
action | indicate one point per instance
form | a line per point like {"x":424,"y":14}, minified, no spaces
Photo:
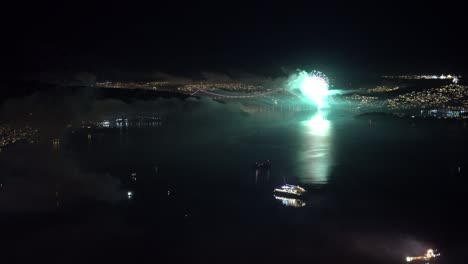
{"x":384,"y":179}
{"x":261,"y":38}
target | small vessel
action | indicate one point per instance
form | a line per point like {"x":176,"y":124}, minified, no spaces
{"x":290,"y":190}
{"x":429,"y":255}
{"x":264,"y":165}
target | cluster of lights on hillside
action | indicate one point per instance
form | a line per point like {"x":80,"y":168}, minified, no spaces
{"x":454,"y":78}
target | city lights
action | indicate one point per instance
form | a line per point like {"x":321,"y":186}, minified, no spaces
{"x":435,"y":97}
{"x":10,"y":135}
{"x":382,"y":89}
{"x":186,"y":86}
{"x":422,"y":77}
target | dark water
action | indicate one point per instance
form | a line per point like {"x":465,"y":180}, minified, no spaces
{"x":377,"y":192}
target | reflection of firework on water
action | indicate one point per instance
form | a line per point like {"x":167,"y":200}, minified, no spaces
{"x":313,"y":85}
{"x":290,"y":202}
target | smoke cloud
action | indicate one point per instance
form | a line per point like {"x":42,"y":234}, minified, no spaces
{"x":35,"y":179}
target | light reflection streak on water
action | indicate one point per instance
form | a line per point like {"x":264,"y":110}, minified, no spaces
{"x":316,"y":157}
{"x":290,"y":202}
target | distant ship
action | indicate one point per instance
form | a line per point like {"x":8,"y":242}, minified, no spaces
{"x":262,"y":171}
{"x":265,"y":165}
{"x":290,"y":190}
{"x":430,"y":254}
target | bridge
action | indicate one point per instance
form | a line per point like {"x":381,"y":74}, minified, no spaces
{"x":232,"y":96}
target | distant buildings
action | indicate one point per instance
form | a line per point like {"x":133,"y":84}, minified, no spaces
{"x":423,"y":77}
{"x":184,"y":87}
{"x":382,"y":89}
{"x":141,"y":120}
{"x":448,"y":101}
{"x":446,"y":113}
{"x":10,"y":135}
{"x":452,"y":96}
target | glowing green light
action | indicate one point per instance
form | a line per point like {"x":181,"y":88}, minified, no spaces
{"x":313,"y":86}
{"x":316,"y":89}
{"x":318,"y":145}
{"x":319,"y":126}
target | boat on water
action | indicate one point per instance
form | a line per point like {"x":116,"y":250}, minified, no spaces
{"x":262,"y":165}
{"x":290,"y":190}
{"x":427,"y":257}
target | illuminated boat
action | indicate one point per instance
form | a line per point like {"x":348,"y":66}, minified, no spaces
{"x":290,"y":190}
{"x":430,"y":254}
{"x":265,"y":165}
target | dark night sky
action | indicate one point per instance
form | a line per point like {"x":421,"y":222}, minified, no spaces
{"x":105,"y":38}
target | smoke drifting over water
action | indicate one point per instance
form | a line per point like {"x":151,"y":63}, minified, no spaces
{"x":34,"y":187}
{"x":34,"y":179}
{"x":51,"y":112}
